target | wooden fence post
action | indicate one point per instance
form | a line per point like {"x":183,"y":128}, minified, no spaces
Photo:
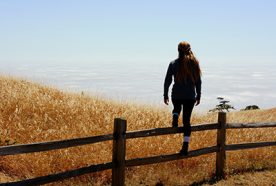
{"x":221,"y":138}
{"x":119,"y":151}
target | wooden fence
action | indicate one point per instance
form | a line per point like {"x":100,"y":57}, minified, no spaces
{"x":119,"y":162}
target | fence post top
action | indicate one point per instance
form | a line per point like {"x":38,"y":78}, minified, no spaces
{"x":120,"y":119}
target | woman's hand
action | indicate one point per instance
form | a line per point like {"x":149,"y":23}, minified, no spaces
{"x":166,"y":101}
{"x":197,"y":102}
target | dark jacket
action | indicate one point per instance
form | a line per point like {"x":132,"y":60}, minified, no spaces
{"x":181,"y":90}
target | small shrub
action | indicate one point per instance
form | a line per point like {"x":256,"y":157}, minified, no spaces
{"x":251,"y":107}
{"x":222,"y":106}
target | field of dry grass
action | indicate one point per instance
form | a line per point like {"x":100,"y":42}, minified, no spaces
{"x":33,"y":113}
{"x":257,"y":178}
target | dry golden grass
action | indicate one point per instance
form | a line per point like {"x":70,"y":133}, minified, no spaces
{"x":33,"y":113}
{"x":263,"y":178}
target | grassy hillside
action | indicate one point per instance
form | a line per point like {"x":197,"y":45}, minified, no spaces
{"x":257,"y":178}
{"x":33,"y":113}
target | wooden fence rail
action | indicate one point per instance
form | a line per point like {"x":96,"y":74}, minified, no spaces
{"x":53,"y":145}
{"x":120,"y":136}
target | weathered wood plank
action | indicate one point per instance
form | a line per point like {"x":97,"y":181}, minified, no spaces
{"x":249,"y":145}
{"x":61,"y":176}
{"x":52,"y":145}
{"x":250,"y":125}
{"x":170,"y":157}
{"x":168,"y":130}
{"x":221,"y":138}
{"x":203,"y":127}
{"x":119,"y":152}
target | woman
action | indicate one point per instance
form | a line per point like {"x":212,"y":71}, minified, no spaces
{"x":186,"y":90}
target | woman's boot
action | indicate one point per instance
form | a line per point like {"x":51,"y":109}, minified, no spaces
{"x":185,"y":147}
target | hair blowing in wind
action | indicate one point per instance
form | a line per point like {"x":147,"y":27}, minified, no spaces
{"x":189,"y":65}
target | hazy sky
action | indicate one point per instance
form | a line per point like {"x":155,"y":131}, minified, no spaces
{"x":63,"y":31}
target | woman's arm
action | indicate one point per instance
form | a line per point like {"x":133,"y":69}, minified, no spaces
{"x":198,"y":91}
{"x":167,"y":83}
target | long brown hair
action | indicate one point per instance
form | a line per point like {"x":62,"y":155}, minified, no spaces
{"x":188,"y":64}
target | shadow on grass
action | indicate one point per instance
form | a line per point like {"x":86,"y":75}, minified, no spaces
{"x":214,"y":179}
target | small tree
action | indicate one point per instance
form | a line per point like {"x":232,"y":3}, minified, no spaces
{"x":222,"y":106}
